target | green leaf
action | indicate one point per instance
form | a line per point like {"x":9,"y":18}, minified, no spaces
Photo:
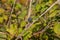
{"x":18,"y":6}
{"x":27,"y":35}
{"x":57,"y":28}
{"x":23,"y":23}
{"x":3,"y":36}
{"x":13,"y":15}
{"x":1,"y":19}
{"x":53,"y":9}
{"x":2,"y":10}
{"x":43,"y":9}
{"x":37,"y":7}
{"x":5,"y":17}
{"x":12,"y":30}
{"x":23,"y":14}
{"x":51,"y":1}
{"x":11,"y":1}
{"x":54,"y":13}
{"x":20,"y":30}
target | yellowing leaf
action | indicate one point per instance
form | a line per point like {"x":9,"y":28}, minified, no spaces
{"x":5,"y":17}
{"x":57,"y":28}
{"x":13,"y":15}
{"x":20,"y":30}
{"x":51,"y":1}
{"x":23,"y":23}
{"x":11,"y":1}
{"x":53,"y":9}
{"x":53,"y":14}
{"x":13,"y":29}
{"x":2,"y":10}
{"x":1,"y":19}
{"x":23,"y":14}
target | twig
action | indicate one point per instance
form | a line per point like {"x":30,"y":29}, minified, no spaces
{"x":58,"y":2}
{"x":12,"y":9}
{"x":29,"y":9}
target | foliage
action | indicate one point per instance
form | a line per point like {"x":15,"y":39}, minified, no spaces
{"x":13,"y":20}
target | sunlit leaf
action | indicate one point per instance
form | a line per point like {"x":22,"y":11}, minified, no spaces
{"x":13,"y":15}
{"x":11,"y":1}
{"x":1,"y":19}
{"x":18,"y":6}
{"x":37,"y":7}
{"x":23,"y":23}
{"x":54,"y":13}
{"x":2,"y":10}
{"x":12,"y":30}
{"x":23,"y":14}
{"x":53,"y":9}
{"x":5,"y":17}
{"x":57,"y":28}
{"x":20,"y":30}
